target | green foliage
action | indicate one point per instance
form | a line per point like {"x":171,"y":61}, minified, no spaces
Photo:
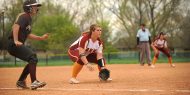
{"x":108,"y":47}
{"x":62,"y":32}
{"x":10,"y":14}
{"x":56,"y":21}
{"x":185,"y":35}
{"x":121,"y":16}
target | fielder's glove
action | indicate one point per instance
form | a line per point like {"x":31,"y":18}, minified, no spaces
{"x":104,"y":74}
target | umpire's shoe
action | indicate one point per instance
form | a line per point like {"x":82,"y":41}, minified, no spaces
{"x":37,"y":84}
{"x":22,"y":84}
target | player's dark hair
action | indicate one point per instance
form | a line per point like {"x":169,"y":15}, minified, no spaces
{"x":161,"y":33}
{"x":93,"y":27}
{"x":143,"y":25}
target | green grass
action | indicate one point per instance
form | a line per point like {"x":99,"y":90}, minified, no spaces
{"x":65,"y":62}
{"x":136,"y":61}
{"x":40,"y":63}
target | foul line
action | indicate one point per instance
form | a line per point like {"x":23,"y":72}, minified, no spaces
{"x":111,"y":90}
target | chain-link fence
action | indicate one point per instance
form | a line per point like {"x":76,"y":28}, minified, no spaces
{"x":47,"y":59}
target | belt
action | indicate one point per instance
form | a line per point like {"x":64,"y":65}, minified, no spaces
{"x":144,"y":41}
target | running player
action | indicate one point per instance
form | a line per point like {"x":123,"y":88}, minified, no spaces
{"x":21,"y":30}
{"x":160,"y":44}
{"x":88,"y":48}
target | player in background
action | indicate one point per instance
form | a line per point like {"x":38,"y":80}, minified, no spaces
{"x":86,"y":50}
{"x":21,"y":30}
{"x":160,"y":44}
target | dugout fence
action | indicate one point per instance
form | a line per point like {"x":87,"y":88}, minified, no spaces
{"x":127,"y":57}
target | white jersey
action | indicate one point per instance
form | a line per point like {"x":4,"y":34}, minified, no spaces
{"x":160,"y":43}
{"x":88,"y":45}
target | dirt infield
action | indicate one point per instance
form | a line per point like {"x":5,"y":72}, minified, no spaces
{"x":128,"y":79}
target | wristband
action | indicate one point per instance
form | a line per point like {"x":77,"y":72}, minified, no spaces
{"x":86,"y":64}
{"x":82,"y":54}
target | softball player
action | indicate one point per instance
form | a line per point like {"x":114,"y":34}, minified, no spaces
{"x":88,"y":48}
{"x":160,"y":44}
{"x":21,"y":30}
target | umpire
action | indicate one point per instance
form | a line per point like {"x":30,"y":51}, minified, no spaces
{"x":21,"y":30}
{"x":143,"y":42}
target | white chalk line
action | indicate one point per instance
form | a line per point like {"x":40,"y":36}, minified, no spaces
{"x":111,"y":90}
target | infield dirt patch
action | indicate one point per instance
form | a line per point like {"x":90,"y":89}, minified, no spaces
{"x":128,"y":79}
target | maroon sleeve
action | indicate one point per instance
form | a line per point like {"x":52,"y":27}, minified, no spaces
{"x":83,"y":41}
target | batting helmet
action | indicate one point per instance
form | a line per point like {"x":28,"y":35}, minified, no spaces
{"x":27,"y":6}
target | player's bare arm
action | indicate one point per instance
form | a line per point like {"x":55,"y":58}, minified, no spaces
{"x":35,"y":37}
{"x":165,"y":45}
{"x":15,"y":35}
{"x":99,"y":56}
{"x":84,"y":60}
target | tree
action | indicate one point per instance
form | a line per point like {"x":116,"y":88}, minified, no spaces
{"x":185,"y":35}
{"x":156,"y":14}
{"x":96,"y":14}
{"x":10,"y":13}
{"x":60,"y":26}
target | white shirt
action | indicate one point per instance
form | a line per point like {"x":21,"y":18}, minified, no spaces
{"x":160,"y":43}
{"x":143,"y":35}
{"x":86,"y":43}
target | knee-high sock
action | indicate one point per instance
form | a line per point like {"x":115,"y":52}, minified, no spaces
{"x":170,"y":60}
{"x":99,"y":68}
{"x":76,"y":69}
{"x":25,"y":73}
{"x":32,"y":70}
{"x":154,"y":60}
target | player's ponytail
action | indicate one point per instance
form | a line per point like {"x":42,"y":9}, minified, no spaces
{"x":85,"y":33}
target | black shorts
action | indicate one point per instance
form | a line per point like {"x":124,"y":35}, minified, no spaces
{"x":21,"y":52}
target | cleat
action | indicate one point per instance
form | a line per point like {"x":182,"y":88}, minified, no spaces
{"x":108,"y":80}
{"x":73,"y":81}
{"x":149,"y":64}
{"x":172,"y":65}
{"x":141,"y":64}
{"x":21,"y":84}
{"x":152,"y":66}
{"x":36,"y":84}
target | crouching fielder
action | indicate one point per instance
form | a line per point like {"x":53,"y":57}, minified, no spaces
{"x":160,"y":44}
{"x":88,"y":48}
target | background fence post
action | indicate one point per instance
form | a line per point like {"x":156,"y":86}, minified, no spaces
{"x":15,"y":61}
{"x":108,"y":57}
{"x":46,"y":58}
